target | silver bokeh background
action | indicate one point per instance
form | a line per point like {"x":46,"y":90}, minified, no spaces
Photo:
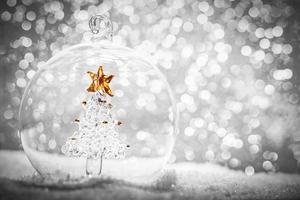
{"x":231,"y":64}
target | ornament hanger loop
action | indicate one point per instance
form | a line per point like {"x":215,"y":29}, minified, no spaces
{"x":101,"y":25}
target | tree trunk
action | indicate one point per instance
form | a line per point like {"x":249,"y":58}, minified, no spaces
{"x":93,"y":167}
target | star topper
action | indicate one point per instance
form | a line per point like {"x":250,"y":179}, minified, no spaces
{"x":100,"y":82}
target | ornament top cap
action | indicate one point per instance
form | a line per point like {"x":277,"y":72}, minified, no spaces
{"x":101,"y":26}
{"x":100,"y":82}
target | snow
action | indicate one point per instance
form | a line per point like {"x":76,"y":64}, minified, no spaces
{"x":132,"y":169}
{"x":178,"y":181}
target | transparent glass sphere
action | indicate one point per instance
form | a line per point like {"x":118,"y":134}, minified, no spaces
{"x":142,"y":101}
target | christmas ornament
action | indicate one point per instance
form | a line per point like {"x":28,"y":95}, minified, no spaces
{"x":69,"y":119}
{"x":97,"y":137}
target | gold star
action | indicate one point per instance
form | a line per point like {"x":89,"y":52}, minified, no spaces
{"x":100,"y":82}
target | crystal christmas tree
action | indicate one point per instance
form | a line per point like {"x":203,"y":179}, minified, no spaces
{"x":97,"y":137}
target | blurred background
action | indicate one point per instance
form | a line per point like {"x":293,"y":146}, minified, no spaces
{"x":233,"y":67}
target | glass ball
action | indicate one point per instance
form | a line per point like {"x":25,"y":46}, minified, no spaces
{"x":142,"y":101}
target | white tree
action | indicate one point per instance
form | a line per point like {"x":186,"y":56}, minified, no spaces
{"x":97,"y":136}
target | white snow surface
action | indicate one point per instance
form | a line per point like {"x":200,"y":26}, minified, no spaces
{"x":177,"y":181}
